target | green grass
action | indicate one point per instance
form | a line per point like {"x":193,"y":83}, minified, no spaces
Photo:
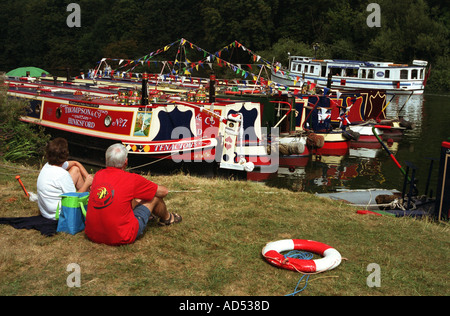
{"x":216,"y":250}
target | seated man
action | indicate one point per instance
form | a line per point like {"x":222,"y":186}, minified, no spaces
{"x":121,"y":203}
{"x":59,"y":176}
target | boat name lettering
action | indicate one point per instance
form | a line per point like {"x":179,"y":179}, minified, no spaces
{"x":81,"y":123}
{"x":178,"y":146}
{"x":84,"y":111}
{"x":120,"y":122}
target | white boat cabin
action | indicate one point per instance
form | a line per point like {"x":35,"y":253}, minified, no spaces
{"x":358,"y":69}
{"x":351,"y":74}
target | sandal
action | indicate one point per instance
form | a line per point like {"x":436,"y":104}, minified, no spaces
{"x":174,"y":218}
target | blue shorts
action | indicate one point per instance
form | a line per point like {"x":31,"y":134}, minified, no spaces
{"x":142,"y":213}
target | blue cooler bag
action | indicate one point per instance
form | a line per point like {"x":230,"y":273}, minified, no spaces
{"x":72,"y":215}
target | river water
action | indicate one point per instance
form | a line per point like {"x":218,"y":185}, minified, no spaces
{"x":373,"y":168}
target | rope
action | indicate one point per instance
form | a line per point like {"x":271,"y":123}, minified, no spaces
{"x":150,"y":163}
{"x":299,"y":255}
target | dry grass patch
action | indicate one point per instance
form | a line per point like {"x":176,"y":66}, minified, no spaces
{"x":216,"y":250}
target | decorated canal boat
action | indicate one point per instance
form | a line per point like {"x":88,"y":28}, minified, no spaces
{"x":226,"y":133}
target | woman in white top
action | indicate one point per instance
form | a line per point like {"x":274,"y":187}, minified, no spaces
{"x":59,"y":176}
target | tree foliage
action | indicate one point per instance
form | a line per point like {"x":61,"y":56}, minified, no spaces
{"x":34,"y":32}
{"x":18,"y":140}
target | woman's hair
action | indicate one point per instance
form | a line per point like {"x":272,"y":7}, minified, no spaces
{"x":116,"y":155}
{"x":57,"y":151}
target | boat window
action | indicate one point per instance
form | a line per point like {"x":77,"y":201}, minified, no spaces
{"x":421,"y":73}
{"x":311,"y":69}
{"x":371,"y":74}
{"x":404,"y":74}
{"x":387,"y":74}
{"x":336,"y":71}
{"x":299,"y":67}
{"x":414,"y":74}
{"x":363,"y":73}
{"x":306,"y":68}
{"x":351,"y":72}
{"x":324,"y":71}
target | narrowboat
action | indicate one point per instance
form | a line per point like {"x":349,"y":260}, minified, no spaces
{"x":225,"y":133}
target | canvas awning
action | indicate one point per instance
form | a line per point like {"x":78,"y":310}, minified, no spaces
{"x":22,"y":72}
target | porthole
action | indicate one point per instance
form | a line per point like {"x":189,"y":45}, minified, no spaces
{"x":108,"y":121}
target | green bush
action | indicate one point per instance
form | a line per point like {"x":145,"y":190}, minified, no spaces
{"x":18,"y":140}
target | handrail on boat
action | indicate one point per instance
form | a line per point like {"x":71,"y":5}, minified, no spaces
{"x":290,"y":109}
{"x":202,"y":109}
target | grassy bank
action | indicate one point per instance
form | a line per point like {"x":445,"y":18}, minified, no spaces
{"x":216,"y":250}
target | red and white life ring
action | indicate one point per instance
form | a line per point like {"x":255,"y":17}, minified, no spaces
{"x":331,"y":257}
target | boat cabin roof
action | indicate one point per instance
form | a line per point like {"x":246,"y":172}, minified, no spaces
{"x":353,"y":64}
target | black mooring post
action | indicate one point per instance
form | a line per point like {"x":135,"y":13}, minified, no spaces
{"x":430,"y":170}
{"x":405,"y":182}
{"x":411,"y":185}
{"x":411,"y":182}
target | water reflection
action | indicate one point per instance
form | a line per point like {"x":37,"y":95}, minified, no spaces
{"x":370,"y":166}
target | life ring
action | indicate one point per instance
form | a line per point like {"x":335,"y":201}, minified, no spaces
{"x":331,"y":257}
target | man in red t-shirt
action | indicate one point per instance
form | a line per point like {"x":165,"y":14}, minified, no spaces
{"x":121,"y":203}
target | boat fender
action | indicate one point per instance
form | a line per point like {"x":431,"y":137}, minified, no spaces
{"x":331,"y":257}
{"x":350,"y":135}
{"x":249,"y":166}
{"x":292,"y":148}
{"x":315,"y":141}
{"x":283,"y":149}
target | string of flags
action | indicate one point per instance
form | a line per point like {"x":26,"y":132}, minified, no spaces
{"x":183,"y":66}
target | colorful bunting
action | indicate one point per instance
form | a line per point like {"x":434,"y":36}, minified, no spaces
{"x":208,"y":59}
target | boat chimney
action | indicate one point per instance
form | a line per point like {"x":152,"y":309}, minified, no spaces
{"x":212,"y":88}
{"x":144,"y":98}
{"x":68,"y":74}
